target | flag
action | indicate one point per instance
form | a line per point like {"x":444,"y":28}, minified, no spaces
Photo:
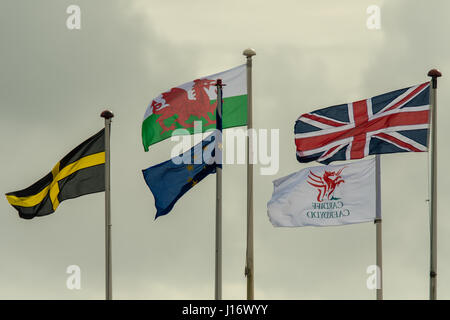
{"x":392,"y":122}
{"x":193,"y":101}
{"x":325,"y":196}
{"x":170,"y":180}
{"x":80,"y":172}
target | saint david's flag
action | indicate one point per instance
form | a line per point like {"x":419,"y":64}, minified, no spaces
{"x":80,"y":172}
{"x":193,"y":101}
{"x":397,"y":121}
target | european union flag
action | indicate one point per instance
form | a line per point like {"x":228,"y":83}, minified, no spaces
{"x":170,"y":180}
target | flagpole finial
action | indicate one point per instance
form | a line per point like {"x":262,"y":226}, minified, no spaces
{"x":434,"y":73}
{"x":107,"y":114}
{"x":249,"y":52}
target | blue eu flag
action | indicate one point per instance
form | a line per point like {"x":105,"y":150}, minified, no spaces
{"x":170,"y":180}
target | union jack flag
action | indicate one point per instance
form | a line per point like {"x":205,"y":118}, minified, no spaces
{"x":397,"y":121}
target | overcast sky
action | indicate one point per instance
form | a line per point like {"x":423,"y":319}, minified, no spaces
{"x":54,"y":83}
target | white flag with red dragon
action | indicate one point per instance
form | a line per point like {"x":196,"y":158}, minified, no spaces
{"x":325,"y":196}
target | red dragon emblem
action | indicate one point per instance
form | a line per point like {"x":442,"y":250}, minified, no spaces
{"x":326,"y":185}
{"x":176,"y":102}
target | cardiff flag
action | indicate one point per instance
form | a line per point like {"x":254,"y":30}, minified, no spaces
{"x":193,"y":101}
{"x":325,"y":196}
{"x":393,"y":122}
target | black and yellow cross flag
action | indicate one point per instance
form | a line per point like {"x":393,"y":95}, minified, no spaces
{"x":80,"y":172}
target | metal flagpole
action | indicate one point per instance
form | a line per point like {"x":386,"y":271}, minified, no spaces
{"x":378,"y":223}
{"x":249,"y":266}
{"x":434,"y":74}
{"x":218,"y":159}
{"x":108,"y":115}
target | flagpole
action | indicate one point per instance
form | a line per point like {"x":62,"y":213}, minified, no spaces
{"x":249,"y":263}
{"x":108,"y":115}
{"x":218,"y":155}
{"x":434,"y":74}
{"x":378,"y":224}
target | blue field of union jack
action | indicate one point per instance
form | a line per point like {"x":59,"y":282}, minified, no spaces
{"x":396,"y":121}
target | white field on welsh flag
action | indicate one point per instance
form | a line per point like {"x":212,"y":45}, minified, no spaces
{"x":193,"y":101}
{"x":325,"y":196}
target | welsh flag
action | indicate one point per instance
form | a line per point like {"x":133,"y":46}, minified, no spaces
{"x":193,"y":101}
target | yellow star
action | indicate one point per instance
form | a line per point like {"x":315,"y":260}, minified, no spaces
{"x":189,"y":179}
{"x":194,"y":183}
{"x":190,"y":167}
